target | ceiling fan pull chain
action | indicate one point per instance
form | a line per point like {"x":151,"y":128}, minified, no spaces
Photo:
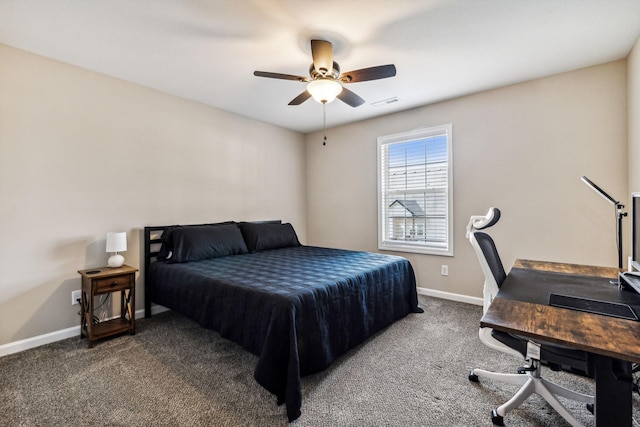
{"x":324,"y":122}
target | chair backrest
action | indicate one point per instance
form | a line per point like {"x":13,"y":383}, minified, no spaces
{"x":488,"y":248}
{"x":487,"y":254}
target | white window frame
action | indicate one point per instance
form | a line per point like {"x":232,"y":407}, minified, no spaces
{"x":430,"y":248}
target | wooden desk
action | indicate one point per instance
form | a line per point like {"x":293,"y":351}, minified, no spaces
{"x":613,"y":342}
{"x":559,"y":267}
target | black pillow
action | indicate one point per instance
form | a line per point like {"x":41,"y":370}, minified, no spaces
{"x":198,"y":242}
{"x":260,"y":237}
{"x":166,"y":249}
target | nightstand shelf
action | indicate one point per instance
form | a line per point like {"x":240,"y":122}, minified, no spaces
{"x":98,"y":281}
{"x":110,"y":327}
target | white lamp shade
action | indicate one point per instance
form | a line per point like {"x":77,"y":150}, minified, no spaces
{"x":117,"y":242}
{"x":324,"y":90}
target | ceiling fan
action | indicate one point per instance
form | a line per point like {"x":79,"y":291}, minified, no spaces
{"x":326,"y":82}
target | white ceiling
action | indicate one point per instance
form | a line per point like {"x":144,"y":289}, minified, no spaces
{"x":207,"y":51}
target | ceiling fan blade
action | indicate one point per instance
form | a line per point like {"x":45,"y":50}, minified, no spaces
{"x":371,"y":73}
{"x":279,"y":76}
{"x":300,"y":98}
{"x":350,"y":98}
{"x":322,"y":53}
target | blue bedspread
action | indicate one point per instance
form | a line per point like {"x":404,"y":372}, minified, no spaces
{"x":297,"y":308}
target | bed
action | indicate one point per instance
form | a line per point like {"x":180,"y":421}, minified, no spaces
{"x":298,"y":308}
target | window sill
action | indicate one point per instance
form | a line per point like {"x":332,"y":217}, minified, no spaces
{"x":416,"y":249}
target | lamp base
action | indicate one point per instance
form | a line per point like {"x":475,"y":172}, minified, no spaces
{"x":116,"y":261}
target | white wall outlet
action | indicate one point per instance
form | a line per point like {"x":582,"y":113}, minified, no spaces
{"x":444,"y":270}
{"x":75,"y":297}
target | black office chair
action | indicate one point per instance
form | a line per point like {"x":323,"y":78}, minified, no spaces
{"x":553,"y":356}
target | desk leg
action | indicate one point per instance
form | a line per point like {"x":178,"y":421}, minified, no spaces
{"x":613,"y":392}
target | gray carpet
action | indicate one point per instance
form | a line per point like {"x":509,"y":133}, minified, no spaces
{"x":174,"y":373}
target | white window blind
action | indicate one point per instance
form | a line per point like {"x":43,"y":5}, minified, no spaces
{"x":414,"y":191}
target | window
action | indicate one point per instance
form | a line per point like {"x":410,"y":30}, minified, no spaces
{"x":415,"y":191}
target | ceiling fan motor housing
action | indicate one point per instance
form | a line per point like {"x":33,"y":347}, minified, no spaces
{"x":334,"y":73}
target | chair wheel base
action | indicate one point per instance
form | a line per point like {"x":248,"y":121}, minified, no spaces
{"x":496,"y":419}
{"x":473,"y":377}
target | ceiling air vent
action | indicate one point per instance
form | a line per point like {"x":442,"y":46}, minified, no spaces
{"x":385,"y":102}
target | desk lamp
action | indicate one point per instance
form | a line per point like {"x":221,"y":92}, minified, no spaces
{"x":116,"y":242}
{"x":619,"y":213}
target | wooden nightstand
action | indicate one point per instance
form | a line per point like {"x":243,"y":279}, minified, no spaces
{"x":97,"y":281}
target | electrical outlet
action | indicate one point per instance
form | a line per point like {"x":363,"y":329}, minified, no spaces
{"x":444,"y":270}
{"x":75,"y":297}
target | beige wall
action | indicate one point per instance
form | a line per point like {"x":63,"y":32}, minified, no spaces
{"x":522,"y":148}
{"x":82,"y":154}
{"x":633,"y":79}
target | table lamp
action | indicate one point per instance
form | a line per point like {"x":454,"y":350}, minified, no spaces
{"x":116,"y":242}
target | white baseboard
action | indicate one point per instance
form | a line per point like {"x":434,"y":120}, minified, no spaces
{"x":74,"y":331}
{"x":26,"y":344}
{"x":450,"y":296}
{"x":17,"y":346}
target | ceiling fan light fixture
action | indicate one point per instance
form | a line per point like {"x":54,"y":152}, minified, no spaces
{"x":324,"y":90}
